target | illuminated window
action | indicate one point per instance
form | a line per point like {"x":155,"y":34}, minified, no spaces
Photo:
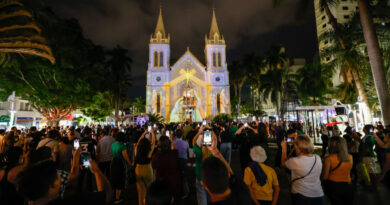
{"x":219,"y":103}
{"x":158,"y":103}
{"x":219,"y":59}
{"x":161,"y":59}
{"x":214,"y":60}
{"x":155,"y":61}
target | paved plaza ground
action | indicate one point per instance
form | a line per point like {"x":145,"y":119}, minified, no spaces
{"x":363,"y":197}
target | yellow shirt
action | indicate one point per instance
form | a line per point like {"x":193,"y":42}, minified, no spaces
{"x":261,"y":192}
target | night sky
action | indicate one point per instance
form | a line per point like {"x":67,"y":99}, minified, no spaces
{"x":247,"y":25}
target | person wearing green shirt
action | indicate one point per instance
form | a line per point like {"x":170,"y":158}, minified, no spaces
{"x":119,"y":153}
{"x":369,"y":158}
{"x":201,"y":153}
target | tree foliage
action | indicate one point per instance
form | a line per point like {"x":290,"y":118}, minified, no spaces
{"x":314,"y":83}
{"x":56,"y":90}
{"x":119,"y":66}
{"x":20,"y":33}
{"x":100,"y":108}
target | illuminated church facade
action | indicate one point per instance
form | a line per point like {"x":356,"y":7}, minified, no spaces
{"x":188,"y":89}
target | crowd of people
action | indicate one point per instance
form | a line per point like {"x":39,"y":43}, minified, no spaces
{"x":94,"y":165}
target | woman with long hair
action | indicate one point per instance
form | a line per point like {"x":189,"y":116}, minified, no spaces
{"x":143,"y":170}
{"x":336,"y":173}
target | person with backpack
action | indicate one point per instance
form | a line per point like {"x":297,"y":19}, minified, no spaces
{"x":336,"y":173}
{"x":366,"y":150}
{"x":305,"y":172}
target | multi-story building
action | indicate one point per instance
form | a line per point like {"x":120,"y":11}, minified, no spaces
{"x":18,"y":112}
{"x":343,"y":12}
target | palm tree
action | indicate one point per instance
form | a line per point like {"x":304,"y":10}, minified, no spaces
{"x":139,"y":104}
{"x":314,"y":83}
{"x":271,"y":86}
{"x":19,"y":33}
{"x":325,"y":4}
{"x":237,"y":77}
{"x":376,"y":61}
{"x":119,"y":65}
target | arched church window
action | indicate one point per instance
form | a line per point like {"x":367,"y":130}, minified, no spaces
{"x":219,"y":103}
{"x":161,"y":59}
{"x":155,"y":61}
{"x":219,"y":59}
{"x":158,"y":105}
{"x":214,"y":60}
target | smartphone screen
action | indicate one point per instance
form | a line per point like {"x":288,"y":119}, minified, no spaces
{"x":204,"y":122}
{"x":372,"y":130}
{"x":85,"y":160}
{"x":149,"y":128}
{"x":254,"y":118}
{"x":154,"y":126}
{"x":289,"y":139}
{"x":76,"y":144}
{"x":246,"y":124}
{"x":167,"y":133}
{"x":207,"y":138}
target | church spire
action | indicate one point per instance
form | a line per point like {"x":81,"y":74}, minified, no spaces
{"x":214,"y":36}
{"x":160,"y":24}
{"x":159,"y":35}
{"x":214,"y":26}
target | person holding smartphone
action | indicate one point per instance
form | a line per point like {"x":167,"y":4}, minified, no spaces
{"x":246,"y":139}
{"x":200,"y":143}
{"x":143,"y":170}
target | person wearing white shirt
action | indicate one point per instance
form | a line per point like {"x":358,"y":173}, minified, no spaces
{"x":306,"y":170}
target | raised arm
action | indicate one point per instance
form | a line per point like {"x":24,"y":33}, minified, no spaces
{"x":102,"y":182}
{"x":254,"y":130}
{"x":214,"y":150}
{"x":284,"y":152}
{"x":379,"y":141}
{"x":74,"y":171}
{"x":197,"y":135}
{"x":240,"y":130}
{"x":152,"y":144}
{"x":139,"y":140}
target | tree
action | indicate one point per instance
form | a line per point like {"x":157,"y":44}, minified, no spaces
{"x":357,"y":55}
{"x":56,"y":90}
{"x":325,"y":4}
{"x":277,"y":76}
{"x":314,"y":83}
{"x":140,"y":104}
{"x":119,"y":65}
{"x":155,"y":118}
{"x":376,"y":61}
{"x":19,"y":33}
{"x":100,"y":107}
{"x":271,"y":86}
{"x":237,"y":77}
